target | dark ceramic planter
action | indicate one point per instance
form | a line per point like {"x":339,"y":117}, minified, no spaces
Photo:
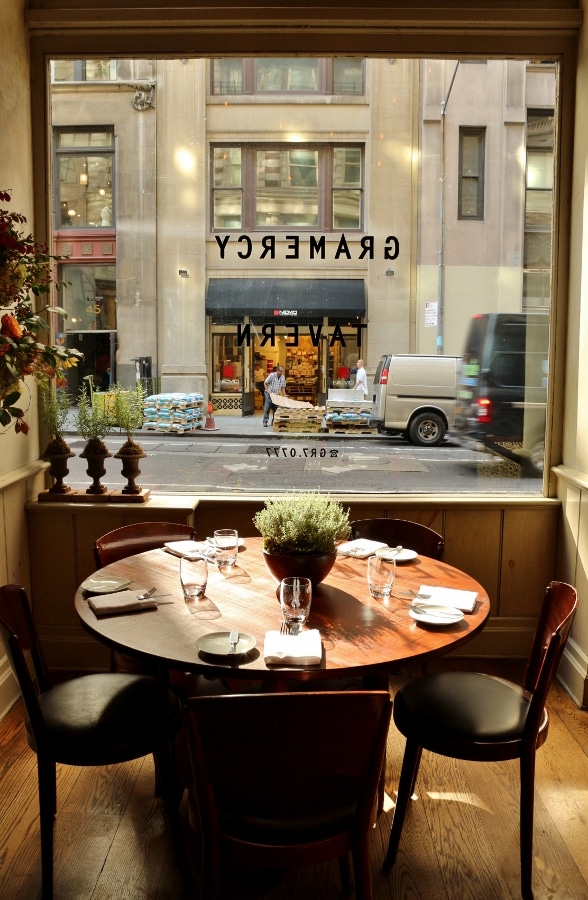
{"x":58,"y":470}
{"x":315,"y":566}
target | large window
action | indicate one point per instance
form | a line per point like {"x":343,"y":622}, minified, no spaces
{"x":256,"y":188}
{"x":84,"y":164}
{"x":281,"y":75}
{"x":279,"y":222}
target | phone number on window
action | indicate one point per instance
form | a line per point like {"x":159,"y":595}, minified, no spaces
{"x":308,"y":452}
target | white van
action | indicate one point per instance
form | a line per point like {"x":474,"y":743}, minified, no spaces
{"x":416,"y":396}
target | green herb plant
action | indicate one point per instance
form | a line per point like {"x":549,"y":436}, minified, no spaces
{"x":55,"y":406}
{"x":302,"y":523}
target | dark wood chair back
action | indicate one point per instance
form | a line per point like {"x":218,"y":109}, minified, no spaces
{"x":413,"y":535}
{"x":137,"y":538}
{"x":287,"y":779}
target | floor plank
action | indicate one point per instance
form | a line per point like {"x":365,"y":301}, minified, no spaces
{"x":460,"y":840}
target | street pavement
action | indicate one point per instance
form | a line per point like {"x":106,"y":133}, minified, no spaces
{"x":238,"y":455}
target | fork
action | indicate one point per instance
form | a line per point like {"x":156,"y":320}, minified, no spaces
{"x":147,"y":594}
{"x":233,"y":641}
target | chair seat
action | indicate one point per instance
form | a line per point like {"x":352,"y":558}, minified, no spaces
{"x":450,"y":707}
{"x":107,"y":718}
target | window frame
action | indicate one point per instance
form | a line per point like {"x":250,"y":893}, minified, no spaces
{"x":326,"y":188}
{"x":61,"y":152}
{"x":478,"y":177}
{"x":325,"y":84}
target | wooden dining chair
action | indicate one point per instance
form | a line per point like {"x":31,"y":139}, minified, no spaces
{"x":92,"y":720}
{"x":468,"y":715}
{"x":287,"y":779}
{"x":128,"y":540}
{"x":137,"y":538}
{"x":413,"y":535}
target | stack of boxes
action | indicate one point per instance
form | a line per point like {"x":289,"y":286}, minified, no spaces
{"x":173,"y":413}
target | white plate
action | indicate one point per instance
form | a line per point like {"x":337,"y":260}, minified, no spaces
{"x":404,"y":555}
{"x":217,"y":643}
{"x":104,"y":585}
{"x":437,"y":615}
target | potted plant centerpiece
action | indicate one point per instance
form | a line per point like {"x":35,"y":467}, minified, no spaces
{"x":300,"y":534}
{"x":94,"y":423}
{"x":128,"y":412}
{"x":55,"y":405}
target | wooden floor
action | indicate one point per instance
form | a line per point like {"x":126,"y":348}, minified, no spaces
{"x":460,"y":840}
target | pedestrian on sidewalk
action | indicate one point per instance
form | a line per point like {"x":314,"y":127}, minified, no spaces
{"x":275,"y":383}
{"x":361,"y":378}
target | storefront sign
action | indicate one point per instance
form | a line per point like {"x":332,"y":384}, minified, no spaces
{"x":317,"y":246}
{"x":268,"y":332}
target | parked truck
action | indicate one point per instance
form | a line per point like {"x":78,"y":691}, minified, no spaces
{"x":415,"y":396}
{"x":502,"y":392}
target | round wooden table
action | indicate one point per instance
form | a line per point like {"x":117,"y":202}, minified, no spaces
{"x":360,"y":636}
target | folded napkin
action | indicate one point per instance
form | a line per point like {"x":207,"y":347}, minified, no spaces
{"x":360,"y":548}
{"x":440,"y":596}
{"x":190,"y":549}
{"x":121,"y":602}
{"x":304,"y":649}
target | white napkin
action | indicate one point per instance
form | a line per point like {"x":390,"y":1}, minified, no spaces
{"x":304,"y":649}
{"x":190,"y":549}
{"x":121,"y":602}
{"x":441,"y":596}
{"x":360,"y":548}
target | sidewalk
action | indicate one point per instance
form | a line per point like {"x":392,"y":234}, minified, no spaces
{"x":248,"y":427}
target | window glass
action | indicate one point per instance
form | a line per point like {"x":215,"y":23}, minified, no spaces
{"x":287,"y":75}
{"x":280,"y":75}
{"x":312,"y":213}
{"x":84,"y":184}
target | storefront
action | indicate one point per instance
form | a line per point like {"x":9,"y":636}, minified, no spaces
{"x":313,"y":328}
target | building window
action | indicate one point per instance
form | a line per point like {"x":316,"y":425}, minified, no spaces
{"x":83,"y":70}
{"x":538,"y":209}
{"x":471,"y":173}
{"x":281,"y":75}
{"x":307,"y":187}
{"x":84,"y":163}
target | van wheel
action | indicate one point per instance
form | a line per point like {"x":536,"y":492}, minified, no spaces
{"x":426,"y":430}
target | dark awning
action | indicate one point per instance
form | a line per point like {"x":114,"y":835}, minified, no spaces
{"x":268,"y":298}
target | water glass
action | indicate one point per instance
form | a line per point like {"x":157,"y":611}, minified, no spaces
{"x":295,"y":599}
{"x":381,"y":574}
{"x":226,"y":541}
{"x":193,"y":577}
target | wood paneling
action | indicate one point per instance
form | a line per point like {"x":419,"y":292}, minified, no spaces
{"x":510,"y":547}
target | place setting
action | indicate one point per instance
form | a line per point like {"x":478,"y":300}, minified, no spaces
{"x":111,"y":595}
{"x":293,"y":644}
{"x":439,"y":606}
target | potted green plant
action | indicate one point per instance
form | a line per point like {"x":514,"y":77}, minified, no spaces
{"x":300,"y":533}
{"x":94,"y":422}
{"x":128,"y":413}
{"x":55,"y":406}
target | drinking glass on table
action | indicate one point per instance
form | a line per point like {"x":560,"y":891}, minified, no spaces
{"x":295,"y":599}
{"x":381,"y":574}
{"x":226,"y":542}
{"x":193,"y":577}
